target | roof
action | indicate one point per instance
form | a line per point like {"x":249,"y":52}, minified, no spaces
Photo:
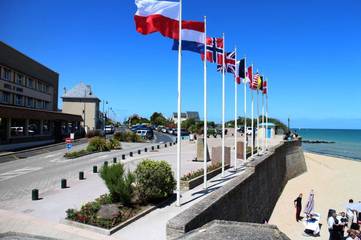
{"x":235,"y":230}
{"x":267,"y":124}
{"x":80,"y":90}
{"x":21,"y":112}
{"x":194,"y":115}
{"x":183,"y":115}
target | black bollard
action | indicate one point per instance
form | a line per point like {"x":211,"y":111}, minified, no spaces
{"x":170,"y":144}
{"x":105,"y":163}
{"x":145,"y":150}
{"x":123,"y":156}
{"x":63,"y":183}
{"x":165,"y":145}
{"x":35,"y":194}
{"x":131,"y":154}
{"x":81,"y":175}
{"x":158,"y":146}
{"x":114,"y":160}
{"x":95,"y":169}
{"x":152,"y":148}
{"x":139,"y":151}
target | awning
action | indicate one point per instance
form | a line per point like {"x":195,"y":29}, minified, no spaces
{"x":21,"y":112}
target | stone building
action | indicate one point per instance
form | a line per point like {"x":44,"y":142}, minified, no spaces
{"x":81,"y":100}
{"x":29,"y":113}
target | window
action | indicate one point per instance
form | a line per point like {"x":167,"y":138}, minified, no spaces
{"x":46,"y":105}
{"x":30,"y":83}
{"x":6,"y":74}
{"x":19,"y":100}
{"x":40,"y":86}
{"x":17,"y":127}
{"x":5,"y":97}
{"x":39,"y":104}
{"x":34,"y":127}
{"x":45,"y":88}
{"x":30,"y":102}
{"x":46,"y":127}
{"x":19,"y":79}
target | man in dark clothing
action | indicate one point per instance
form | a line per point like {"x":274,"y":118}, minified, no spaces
{"x":298,"y":205}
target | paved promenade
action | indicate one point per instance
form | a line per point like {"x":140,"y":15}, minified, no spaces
{"x":44,"y":217}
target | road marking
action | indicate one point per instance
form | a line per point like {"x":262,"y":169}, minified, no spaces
{"x":18,"y":172}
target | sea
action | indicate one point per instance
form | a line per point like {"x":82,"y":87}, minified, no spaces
{"x":347,"y":142}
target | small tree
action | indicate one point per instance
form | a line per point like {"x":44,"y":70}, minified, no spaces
{"x":155,"y":180}
{"x":118,"y":183}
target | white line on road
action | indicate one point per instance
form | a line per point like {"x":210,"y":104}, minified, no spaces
{"x":18,"y":172}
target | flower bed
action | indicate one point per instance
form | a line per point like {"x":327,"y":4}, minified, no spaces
{"x":193,"y":179}
{"x":131,"y":195}
{"x":88,"y":213}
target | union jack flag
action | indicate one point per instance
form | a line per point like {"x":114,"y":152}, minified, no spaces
{"x":230,"y":63}
{"x":214,"y":52}
{"x":253,"y":84}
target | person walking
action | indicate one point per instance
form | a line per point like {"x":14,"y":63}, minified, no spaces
{"x":298,"y":205}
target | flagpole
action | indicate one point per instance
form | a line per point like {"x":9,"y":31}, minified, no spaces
{"x":179,"y":105}
{"x":252,"y":115}
{"x":264,"y":136}
{"x":223,"y":103}
{"x":235,"y":109}
{"x":257,"y":138}
{"x":205,"y":133}
{"x":267,"y":115}
{"x":245,"y":114}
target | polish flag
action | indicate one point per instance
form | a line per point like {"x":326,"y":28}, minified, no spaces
{"x":163,"y":16}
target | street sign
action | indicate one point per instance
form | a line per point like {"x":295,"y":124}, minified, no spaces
{"x":68,"y":140}
{"x":69,"y":146}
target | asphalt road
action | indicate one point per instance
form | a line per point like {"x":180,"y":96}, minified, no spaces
{"x":44,"y":171}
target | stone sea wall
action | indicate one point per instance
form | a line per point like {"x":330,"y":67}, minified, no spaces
{"x":249,"y":197}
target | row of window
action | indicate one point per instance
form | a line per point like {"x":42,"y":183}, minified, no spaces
{"x":21,"y":79}
{"x":20,"y":100}
{"x":19,"y":127}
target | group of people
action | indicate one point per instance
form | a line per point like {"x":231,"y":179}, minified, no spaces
{"x":344,"y":225}
{"x":341,"y":226}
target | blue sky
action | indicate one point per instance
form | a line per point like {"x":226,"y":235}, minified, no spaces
{"x":309,"y":50}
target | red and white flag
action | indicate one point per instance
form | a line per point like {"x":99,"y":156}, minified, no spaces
{"x":264,"y":91}
{"x":163,"y":16}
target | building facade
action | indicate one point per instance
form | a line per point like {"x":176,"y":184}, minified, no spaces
{"x":29,"y":101}
{"x":185,"y":116}
{"x":80,"y":100}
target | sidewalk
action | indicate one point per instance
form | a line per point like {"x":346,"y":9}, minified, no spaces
{"x":43,"y":217}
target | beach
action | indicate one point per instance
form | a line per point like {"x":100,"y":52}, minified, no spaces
{"x":334,"y":181}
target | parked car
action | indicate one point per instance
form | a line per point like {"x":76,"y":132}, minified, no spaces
{"x":146,"y":133}
{"x":109,"y":129}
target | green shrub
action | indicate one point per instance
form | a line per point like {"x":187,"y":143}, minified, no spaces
{"x":118,"y":183}
{"x":114,"y":144}
{"x":75,"y":154}
{"x":155,"y":180}
{"x":127,"y":137}
{"x":97,"y":144}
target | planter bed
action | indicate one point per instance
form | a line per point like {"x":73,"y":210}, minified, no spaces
{"x":194,"y":182}
{"x":142,"y":212}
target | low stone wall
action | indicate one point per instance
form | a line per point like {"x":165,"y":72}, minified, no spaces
{"x":250,"y":197}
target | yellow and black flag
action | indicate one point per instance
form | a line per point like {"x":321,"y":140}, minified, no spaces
{"x":260,"y":83}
